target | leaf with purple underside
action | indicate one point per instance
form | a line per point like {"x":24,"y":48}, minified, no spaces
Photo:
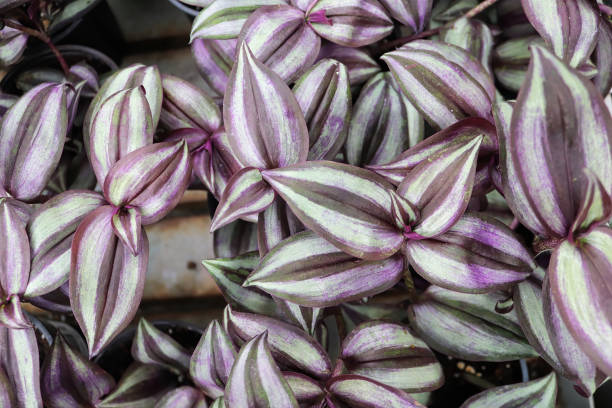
{"x":212,"y":360}
{"x":383,"y":124}
{"x":480,"y":334}
{"x":265,"y":124}
{"x":50,"y":230}
{"x":141,"y":386}
{"x":32,"y":135}
{"x":308,"y":270}
{"x":412,"y":13}
{"x":540,"y":393}
{"x":106,"y":280}
{"x":353,"y":23}
{"x":288,"y":343}
{"x":324,"y":94}
{"x":256,"y":381}
{"x":544,"y":189}
{"x":68,"y":379}
{"x":348,"y":206}
{"x":152,"y":179}
{"x":362,"y":392}
{"x":444,"y":82}
{"x":280,"y":38}
{"x":152,"y":346}
{"x":569,"y":27}
{"x":391,"y":354}
{"x":578,"y":274}
{"x":245,"y":194}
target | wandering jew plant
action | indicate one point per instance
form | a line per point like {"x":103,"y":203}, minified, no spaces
{"x":407,"y":189}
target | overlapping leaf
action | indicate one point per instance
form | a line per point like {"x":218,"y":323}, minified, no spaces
{"x":214,"y":60}
{"x":358,"y":391}
{"x":412,"y":13}
{"x":19,"y":360}
{"x":152,"y":346}
{"x":360,"y":65}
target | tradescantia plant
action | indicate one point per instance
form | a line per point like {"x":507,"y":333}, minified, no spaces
{"x":404,"y":187}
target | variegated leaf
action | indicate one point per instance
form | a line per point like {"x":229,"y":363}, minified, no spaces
{"x":602,"y":56}
{"x":358,"y":391}
{"x":360,"y":65}
{"x":384,"y":123}
{"x":412,"y":13}
{"x":308,"y":270}
{"x":544,"y":190}
{"x":264,"y":122}
{"x":106,"y":280}
{"x":127,"y":224}
{"x":348,"y":206}
{"x":19,"y":360}
{"x":288,"y":343}
{"x":69,"y":379}
{"x":12,"y":45}
{"x":511,"y":59}
{"x":479,"y":332}
{"x":279,"y":37}
{"x":473,"y":36}
{"x":274,"y":224}
{"x":444,"y":82}
{"x":595,"y":206}
{"x":214,"y":60}
{"x":14,"y":253}
{"x":184,"y":397}
{"x":152,"y":346}
{"x":256,"y":381}
{"x":353,"y":23}
{"x":391,"y":354}
{"x":32,"y":135}
{"x":537,"y":393}
{"x":306,"y":390}
{"x":236,"y":238}
{"x":324,"y":95}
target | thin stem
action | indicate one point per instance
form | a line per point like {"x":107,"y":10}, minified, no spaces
{"x":42,"y":37}
{"x":591,"y":402}
{"x":403,"y":40}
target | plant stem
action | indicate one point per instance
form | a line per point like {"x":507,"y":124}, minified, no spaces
{"x":42,"y":36}
{"x":403,"y":40}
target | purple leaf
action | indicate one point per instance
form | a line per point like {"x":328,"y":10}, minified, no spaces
{"x":602,"y":56}
{"x":14,"y":253}
{"x":473,"y":36}
{"x":81,"y":71}
{"x":70,"y":380}
{"x":19,"y":359}
{"x":236,"y":238}
{"x":186,"y":106}
{"x":134,"y":76}
{"x":11,"y":314}
{"x":289,"y":344}
{"x":152,"y":346}
{"x":324,"y":95}
{"x":51,"y":229}
{"x":441,"y":187}
{"x":383,"y":124}
{"x":121,"y":125}
{"x":256,"y":381}
{"x":459,"y":133}
{"x":214,"y":60}
{"x":391,"y":354}
{"x":245,"y":194}
{"x":412,"y":13}
{"x":578,"y":274}
{"x":476,"y":255}
{"x":32,"y":135}
{"x":106,"y":280}
{"x":348,"y":206}
{"x":542,"y":392}
{"x":444,"y":82}
{"x":184,"y":397}
{"x":513,"y":20}
{"x":152,"y":179}
{"x":12,"y":44}
{"x":358,"y":62}
{"x":264,"y":122}
{"x":569,"y":27}
{"x":7,"y":397}
{"x":224,"y":19}
{"x":362,"y":392}
{"x":479,"y":333}
{"x":307,"y":391}
{"x":353,"y":23}
{"x":307,"y":270}
{"x":127,"y":224}
{"x":543,"y":189}
{"x":141,"y":386}
{"x":279,"y":38}
{"x":229,"y":275}
{"x":212,"y":360}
